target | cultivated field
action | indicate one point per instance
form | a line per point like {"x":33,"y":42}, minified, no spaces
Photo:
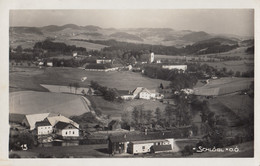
{"x":223,"y":86}
{"x":30,"y":102}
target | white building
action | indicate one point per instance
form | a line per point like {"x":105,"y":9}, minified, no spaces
{"x":66,"y":129}
{"x":49,"y":64}
{"x":44,"y":128}
{"x":151,"y":57}
{"x":145,"y":94}
{"x":177,"y":67}
{"x":74,"y":54}
{"x":146,"y":146}
{"x":31,"y":119}
{"x":103,"y":61}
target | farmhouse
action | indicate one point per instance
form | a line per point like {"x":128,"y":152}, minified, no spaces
{"x":100,"y":67}
{"x":60,"y":118}
{"x":49,"y":64}
{"x":142,"y":143}
{"x":103,"y":61}
{"x":143,"y":93}
{"x":30,"y":120}
{"x":125,"y":94}
{"x":66,"y":130}
{"x":175,"y":67}
{"x":43,"y":127}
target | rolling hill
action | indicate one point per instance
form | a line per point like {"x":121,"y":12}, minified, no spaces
{"x":152,"y":36}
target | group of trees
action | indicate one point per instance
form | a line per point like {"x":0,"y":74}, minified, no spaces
{"x":179,"y":115}
{"x":74,"y":85}
{"x":108,"y":93}
{"x":57,"y":47}
{"x":179,"y":79}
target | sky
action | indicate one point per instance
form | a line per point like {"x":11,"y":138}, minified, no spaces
{"x":220,"y":21}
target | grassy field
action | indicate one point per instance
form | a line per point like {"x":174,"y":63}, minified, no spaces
{"x":30,"y":102}
{"x":121,"y":80}
{"x":117,"y":109}
{"x":223,"y":86}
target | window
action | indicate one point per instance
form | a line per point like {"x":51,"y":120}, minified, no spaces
{"x":73,"y":132}
{"x":66,"y":133}
{"x":143,"y":147}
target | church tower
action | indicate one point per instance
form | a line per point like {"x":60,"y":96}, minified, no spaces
{"x":152,"y":57}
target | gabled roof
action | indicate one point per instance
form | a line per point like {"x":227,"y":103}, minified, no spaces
{"x":137,"y":90}
{"x":143,"y":137}
{"x":63,"y":125}
{"x":60,"y":118}
{"x":43,"y":123}
{"x":145,"y":90}
{"x":33,"y":118}
{"x":113,"y":122}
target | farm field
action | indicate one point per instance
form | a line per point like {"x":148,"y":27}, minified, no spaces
{"x":30,"y":102}
{"x":121,"y":80}
{"x":22,"y":78}
{"x":241,"y":66}
{"x":223,"y":86}
{"x":30,"y":78}
{"x":116,"y":109}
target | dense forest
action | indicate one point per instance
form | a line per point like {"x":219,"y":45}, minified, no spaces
{"x":196,"y":48}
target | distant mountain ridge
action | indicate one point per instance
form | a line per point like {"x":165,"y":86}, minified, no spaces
{"x":153,"y":36}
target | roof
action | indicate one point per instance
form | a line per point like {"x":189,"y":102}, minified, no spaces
{"x":123,"y":92}
{"x":158,"y":148}
{"x":43,"y":123}
{"x":137,"y":90}
{"x":142,"y":137}
{"x":60,"y":118}
{"x":145,"y":90}
{"x":150,"y":141}
{"x":62,"y":125}
{"x":113,"y":122}
{"x":33,"y":118}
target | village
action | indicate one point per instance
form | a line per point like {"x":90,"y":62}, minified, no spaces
{"x":154,"y":90}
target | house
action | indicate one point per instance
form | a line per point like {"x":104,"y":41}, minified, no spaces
{"x":49,"y":64}
{"x":31,"y":119}
{"x":66,"y":130}
{"x":103,"y":61}
{"x":142,"y":143}
{"x":175,"y":67}
{"x":60,"y":118}
{"x":114,"y":125}
{"x":43,"y":127}
{"x":143,"y":93}
{"x":74,"y":54}
{"x":125,"y":94}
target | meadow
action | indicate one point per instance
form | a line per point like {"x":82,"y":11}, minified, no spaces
{"x":32,"y":102}
{"x":223,"y":86}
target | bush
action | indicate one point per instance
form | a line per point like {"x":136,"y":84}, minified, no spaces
{"x":188,"y":150}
